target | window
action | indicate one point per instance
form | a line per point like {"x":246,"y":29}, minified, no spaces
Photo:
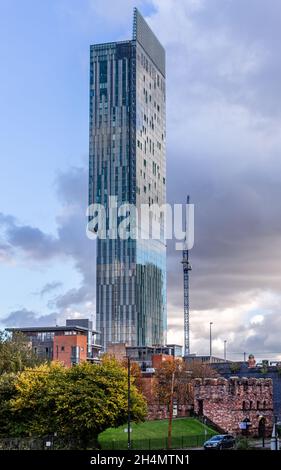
{"x":62,"y":348}
{"x":103,"y":71}
{"x":75,"y":354}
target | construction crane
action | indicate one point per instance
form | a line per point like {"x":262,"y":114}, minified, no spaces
{"x":186,"y":268}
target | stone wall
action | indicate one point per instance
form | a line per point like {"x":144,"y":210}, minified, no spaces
{"x":227,"y":403}
{"x":158,"y":411}
{"x":270,"y":372}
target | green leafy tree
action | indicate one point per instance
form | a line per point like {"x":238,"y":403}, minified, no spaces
{"x":15,"y":353}
{"x":81,"y":401}
{"x":7,"y":393}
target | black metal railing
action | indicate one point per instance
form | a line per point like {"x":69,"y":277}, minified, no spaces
{"x":177,"y":442}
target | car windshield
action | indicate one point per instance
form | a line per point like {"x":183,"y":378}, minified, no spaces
{"x":216,"y":438}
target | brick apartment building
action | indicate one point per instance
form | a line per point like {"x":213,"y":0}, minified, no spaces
{"x":70,"y":344}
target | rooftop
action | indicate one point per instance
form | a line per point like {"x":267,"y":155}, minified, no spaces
{"x":47,"y":329}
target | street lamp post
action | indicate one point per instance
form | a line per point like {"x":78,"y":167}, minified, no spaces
{"x":225,"y":349}
{"x":171,"y":411}
{"x":211,"y":341}
{"x":129,"y":403}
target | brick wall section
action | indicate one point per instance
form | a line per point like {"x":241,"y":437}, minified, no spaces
{"x":63,"y":345}
{"x":229,"y":402}
{"x":161,"y":410}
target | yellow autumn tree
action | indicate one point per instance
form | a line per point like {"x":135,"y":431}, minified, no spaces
{"x":81,"y":401}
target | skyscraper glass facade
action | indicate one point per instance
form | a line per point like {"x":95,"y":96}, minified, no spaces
{"x":127,"y":160}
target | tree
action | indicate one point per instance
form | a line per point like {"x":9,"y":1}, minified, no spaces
{"x":181,"y":386}
{"x":184,"y":373}
{"x":15,"y":353}
{"x":7,"y":393}
{"x":81,"y":401}
{"x":198,"y":370}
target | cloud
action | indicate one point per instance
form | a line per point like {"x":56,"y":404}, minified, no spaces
{"x":32,"y":241}
{"x":71,"y":243}
{"x":49,"y":287}
{"x":223,"y":148}
{"x":223,"y":145}
{"x":24,"y":318}
{"x":5,"y":253}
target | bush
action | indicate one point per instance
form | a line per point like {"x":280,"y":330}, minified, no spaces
{"x":242,"y":443}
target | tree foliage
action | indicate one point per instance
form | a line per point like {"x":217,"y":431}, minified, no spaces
{"x":15,"y":353}
{"x":184,"y":373}
{"x":163,"y":382}
{"x":7,"y":393}
{"x":80,"y":401}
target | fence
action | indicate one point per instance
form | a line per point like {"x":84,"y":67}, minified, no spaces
{"x":39,"y":443}
{"x":57,"y":443}
{"x":177,"y":442}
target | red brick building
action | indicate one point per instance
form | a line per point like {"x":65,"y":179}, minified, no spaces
{"x":70,"y":349}
{"x":70,"y":344}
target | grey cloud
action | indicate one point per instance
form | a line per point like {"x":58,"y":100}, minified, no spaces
{"x":49,"y":287}
{"x":71,"y":243}
{"x":73,"y":296}
{"x":33,"y":242}
{"x":223,"y":148}
{"x":71,"y":187}
{"x":24,"y":318}
{"x":6,"y":252}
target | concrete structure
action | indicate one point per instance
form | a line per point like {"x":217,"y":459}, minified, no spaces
{"x":203,"y":359}
{"x":145,"y":357}
{"x":228,"y":403}
{"x":118,"y":350}
{"x":70,"y":344}
{"x":127,"y":161}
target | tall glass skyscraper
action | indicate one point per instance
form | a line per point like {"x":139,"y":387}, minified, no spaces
{"x":127,"y":160}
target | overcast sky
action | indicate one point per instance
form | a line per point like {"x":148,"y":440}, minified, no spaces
{"x":223,"y":148}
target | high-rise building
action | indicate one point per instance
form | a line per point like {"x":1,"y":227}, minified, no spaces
{"x":127,"y":160}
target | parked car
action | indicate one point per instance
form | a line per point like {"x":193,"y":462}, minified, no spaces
{"x":221,"y":441}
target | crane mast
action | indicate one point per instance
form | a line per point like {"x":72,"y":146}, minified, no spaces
{"x":186,"y":268}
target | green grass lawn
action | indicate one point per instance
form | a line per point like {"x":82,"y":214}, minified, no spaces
{"x":153,"y":434}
